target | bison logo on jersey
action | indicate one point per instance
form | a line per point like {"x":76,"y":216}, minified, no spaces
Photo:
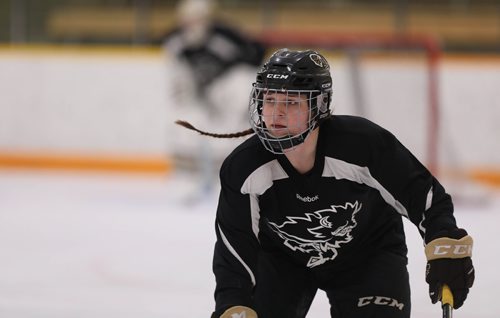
{"x":321,"y":232}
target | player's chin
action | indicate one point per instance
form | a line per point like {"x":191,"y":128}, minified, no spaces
{"x":279,"y":133}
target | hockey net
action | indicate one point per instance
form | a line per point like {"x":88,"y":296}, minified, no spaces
{"x":392,"y":80}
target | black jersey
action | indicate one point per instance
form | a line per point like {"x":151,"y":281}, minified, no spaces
{"x":221,"y":49}
{"x":346,"y":209}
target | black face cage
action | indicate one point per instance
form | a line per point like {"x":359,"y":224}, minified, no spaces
{"x":289,"y":136}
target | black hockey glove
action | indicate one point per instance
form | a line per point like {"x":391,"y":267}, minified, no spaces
{"x":449,"y":262}
{"x":237,"y":311}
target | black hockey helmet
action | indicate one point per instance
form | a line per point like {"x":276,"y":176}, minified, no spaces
{"x":298,"y":72}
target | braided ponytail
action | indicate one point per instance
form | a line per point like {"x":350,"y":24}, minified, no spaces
{"x":188,"y":125}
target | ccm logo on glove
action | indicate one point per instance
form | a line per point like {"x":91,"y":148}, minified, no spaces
{"x":446,"y":247}
{"x":449,"y":262}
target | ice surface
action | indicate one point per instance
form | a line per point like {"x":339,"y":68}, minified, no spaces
{"x":104,"y":245}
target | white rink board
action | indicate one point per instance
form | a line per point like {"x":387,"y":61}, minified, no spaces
{"x":126,"y":104}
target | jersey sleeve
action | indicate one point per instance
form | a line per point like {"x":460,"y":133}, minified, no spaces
{"x":237,"y":247}
{"x":250,"y":51}
{"x":422,"y":199}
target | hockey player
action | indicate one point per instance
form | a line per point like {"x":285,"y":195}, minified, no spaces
{"x":205,"y":56}
{"x":207,"y":47}
{"x":315,"y":201}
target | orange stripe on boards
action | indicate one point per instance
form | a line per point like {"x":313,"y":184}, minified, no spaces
{"x":486,"y":176}
{"x":85,"y":162}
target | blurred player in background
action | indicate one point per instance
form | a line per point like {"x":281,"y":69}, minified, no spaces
{"x":315,"y":201}
{"x":208,"y":62}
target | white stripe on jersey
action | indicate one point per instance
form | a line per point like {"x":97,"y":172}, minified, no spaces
{"x":340,"y":169}
{"x":257,"y":183}
{"x":238,"y":257}
{"x":428,"y":204}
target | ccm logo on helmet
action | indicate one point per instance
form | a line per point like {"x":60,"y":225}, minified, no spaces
{"x":277,"y":76}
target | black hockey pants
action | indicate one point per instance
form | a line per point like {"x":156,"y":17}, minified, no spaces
{"x":379,"y":288}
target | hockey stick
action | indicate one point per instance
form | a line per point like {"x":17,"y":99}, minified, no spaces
{"x":447,"y":302}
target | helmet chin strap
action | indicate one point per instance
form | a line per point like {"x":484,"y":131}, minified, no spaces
{"x":279,"y":145}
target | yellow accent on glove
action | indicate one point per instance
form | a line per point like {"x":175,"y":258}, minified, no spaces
{"x":445,"y":247}
{"x":239,"y":312}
